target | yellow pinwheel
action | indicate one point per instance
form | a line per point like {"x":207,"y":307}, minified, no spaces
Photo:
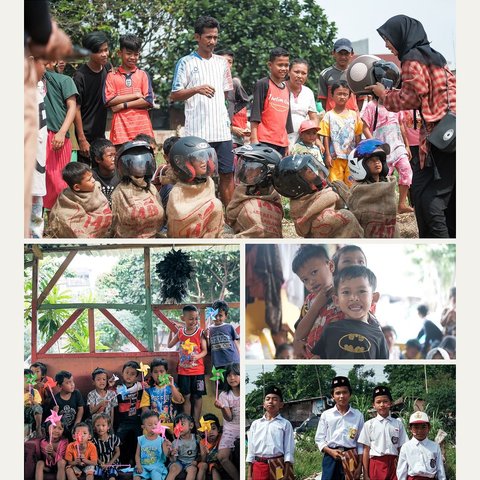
{"x":188,"y":346}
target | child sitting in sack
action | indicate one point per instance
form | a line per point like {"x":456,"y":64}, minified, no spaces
{"x":372,"y":198}
{"x":136,"y":206}
{"x":313,"y":204}
{"x":193,"y":211}
{"x":255,"y":210}
{"x":81,"y":210}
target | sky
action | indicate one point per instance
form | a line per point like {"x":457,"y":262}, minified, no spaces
{"x":357,"y":20}
{"x":255,"y":370}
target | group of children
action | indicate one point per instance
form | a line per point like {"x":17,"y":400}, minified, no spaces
{"x":89,"y":208}
{"x":145,"y":425}
{"x":378,"y":447}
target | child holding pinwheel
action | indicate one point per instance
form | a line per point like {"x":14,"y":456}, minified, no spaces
{"x":162,"y":393}
{"x":222,"y":339}
{"x":152,"y":449}
{"x":52,"y":449}
{"x":209,"y":466}
{"x":190,"y":369}
{"x":184,"y":454}
{"x":32,"y":403}
{"x":229,"y":403}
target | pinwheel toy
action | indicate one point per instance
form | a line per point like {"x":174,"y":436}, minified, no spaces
{"x":78,"y":437}
{"x":122,"y":390}
{"x":31,"y":379}
{"x":113,"y":378}
{"x":188,"y":346}
{"x":51,"y":393}
{"x":217,"y":375}
{"x":53,"y":419}
{"x":144,"y":369}
{"x":163,"y":380}
{"x":205,"y":426}
{"x":210,"y":314}
{"x":177,"y":431}
{"x":160,"y":429}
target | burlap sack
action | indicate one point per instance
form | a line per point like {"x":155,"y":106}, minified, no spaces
{"x":193,"y":211}
{"x":80,"y":215}
{"x":137,"y":213}
{"x":255,"y":216}
{"x":315,"y":216}
{"x":375,"y":206}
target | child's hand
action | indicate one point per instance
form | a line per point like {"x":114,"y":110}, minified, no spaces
{"x":49,"y":448}
{"x":56,"y":408}
{"x":203,"y":449}
{"x":299,"y":348}
{"x":145,"y":384}
{"x":138,"y":468}
{"x":172,"y":383}
{"x":194,"y":357}
{"x":174,"y":452}
{"x":328,"y":161}
{"x":218,"y":404}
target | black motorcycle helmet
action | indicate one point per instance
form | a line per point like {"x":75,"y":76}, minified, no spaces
{"x":193,"y":149}
{"x":386,"y":73}
{"x":289,"y":177}
{"x":135,"y":159}
{"x":256,"y":163}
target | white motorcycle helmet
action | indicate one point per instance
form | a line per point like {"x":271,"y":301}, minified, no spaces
{"x":366,"y":149}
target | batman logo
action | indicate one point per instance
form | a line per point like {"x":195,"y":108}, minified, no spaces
{"x":355,"y":343}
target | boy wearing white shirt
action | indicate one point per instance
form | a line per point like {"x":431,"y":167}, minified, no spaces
{"x":337,"y":435}
{"x":382,"y":438}
{"x":270,"y":442}
{"x":420,"y":458}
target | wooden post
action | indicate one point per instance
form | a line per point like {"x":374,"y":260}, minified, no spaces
{"x":91,"y":330}
{"x":148,"y":298}
{"x":34,"y":308}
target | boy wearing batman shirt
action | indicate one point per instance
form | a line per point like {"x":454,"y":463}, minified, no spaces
{"x":353,"y":337}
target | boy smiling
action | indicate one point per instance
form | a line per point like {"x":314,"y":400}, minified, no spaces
{"x":353,"y":337}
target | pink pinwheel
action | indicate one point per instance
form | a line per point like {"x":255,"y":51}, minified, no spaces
{"x":160,"y":429}
{"x":177,"y":431}
{"x":54,"y":417}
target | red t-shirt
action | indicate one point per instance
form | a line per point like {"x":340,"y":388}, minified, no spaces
{"x":190,"y":343}
{"x":271,"y":110}
{"x":129,"y":122}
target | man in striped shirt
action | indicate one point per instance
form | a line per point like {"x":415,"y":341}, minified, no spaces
{"x":201,"y":80}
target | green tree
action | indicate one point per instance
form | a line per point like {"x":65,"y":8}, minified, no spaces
{"x":250,"y":27}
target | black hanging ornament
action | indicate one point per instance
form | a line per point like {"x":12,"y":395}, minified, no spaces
{"x":174,"y":271}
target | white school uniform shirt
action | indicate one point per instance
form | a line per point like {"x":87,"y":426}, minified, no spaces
{"x":205,"y":117}
{"x":420,"y":458}
{"x":384,"y":436}
{"x":270,"y":438}
{"x":337,"y":430}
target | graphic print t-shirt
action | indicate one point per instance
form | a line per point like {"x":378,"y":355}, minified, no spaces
{"x":351,"y":339}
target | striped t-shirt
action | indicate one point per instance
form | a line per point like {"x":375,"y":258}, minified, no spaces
{"x":128,"y":123}
{"x":205,"y":117}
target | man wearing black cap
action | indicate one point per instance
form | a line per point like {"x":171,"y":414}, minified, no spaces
{"x":91,"y":116}
{"x":337,"y":434}
{"x":343,"y":55}
{"x":382,"y":438}
{"x":270,"y":442}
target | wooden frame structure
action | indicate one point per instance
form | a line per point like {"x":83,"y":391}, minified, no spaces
{"x":148,"y":307}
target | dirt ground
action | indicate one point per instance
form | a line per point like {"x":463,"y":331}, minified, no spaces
{"x":406,"y":222}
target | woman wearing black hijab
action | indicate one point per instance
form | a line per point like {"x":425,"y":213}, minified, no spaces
{"x":426,"y":80}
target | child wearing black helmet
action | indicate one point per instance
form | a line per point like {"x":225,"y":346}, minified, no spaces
{"x":255,"y":210}
{"x":81,"y":210}
{"x":316,"y":209}
{"x":372,"y":198}
{"x":193,"y":211}
{"x":136,"y":206}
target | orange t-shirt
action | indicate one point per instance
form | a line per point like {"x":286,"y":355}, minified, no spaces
{"x":72,"y":452}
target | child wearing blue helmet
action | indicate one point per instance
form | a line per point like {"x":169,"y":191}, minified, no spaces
{"x":372,"y":197}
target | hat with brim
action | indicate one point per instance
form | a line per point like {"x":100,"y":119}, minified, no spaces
{"x":307,"y":125}
{"x":419,"y":417}
{"x":343,"y":44}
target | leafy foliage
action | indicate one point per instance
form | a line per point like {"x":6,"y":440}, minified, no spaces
{"x":249,"y":27}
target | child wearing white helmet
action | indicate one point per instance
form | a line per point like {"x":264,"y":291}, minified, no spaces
{"x":420,"y":458}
